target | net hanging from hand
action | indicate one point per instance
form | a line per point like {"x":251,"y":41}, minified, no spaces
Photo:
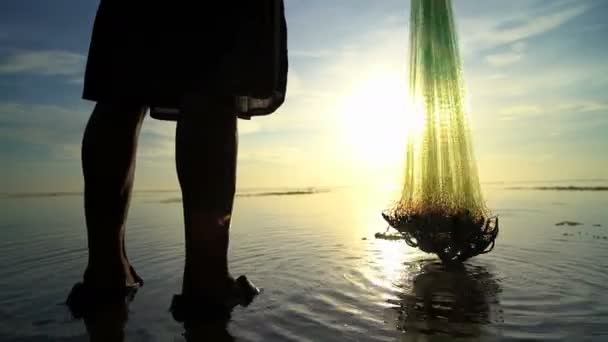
{"x":441,"y":209}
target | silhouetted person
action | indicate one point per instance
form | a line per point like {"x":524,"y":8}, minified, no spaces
{"x":202,"y":64}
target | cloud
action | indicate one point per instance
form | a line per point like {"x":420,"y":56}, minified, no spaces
{"x":76,"y":80}
{"x":530,"y":110}
{"x":278,"y":155}
{"x":545,"y":78}
{"x":248,"y":127}
{"x":511,"y":113}
{"x":584,"y":107}
{"x":514,"y":55}
{"x":54,"y":127}
{"x":311,"y":53}
{"x":522,"y":110}
{"x":508,"y":28}
{"x":497,"y":77}
{"x":593,"y":28}
{"x":503,"y":59}
{"x":47,"y":63}
{"x":59,"y":131}
{"x":536,"y":25}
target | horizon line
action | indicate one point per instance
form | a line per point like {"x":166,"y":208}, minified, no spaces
{"x":149,"y":190}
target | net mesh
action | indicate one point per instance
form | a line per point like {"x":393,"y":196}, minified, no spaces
{"x":440,"y":170}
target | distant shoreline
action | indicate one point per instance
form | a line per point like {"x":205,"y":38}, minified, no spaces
{"x":309,"y":191}
{"x":40,"y":194}
{"x":258,"y":192}
{"x":561,"y":188}
{"x":65,"y":193}
{"x":242,"y":193}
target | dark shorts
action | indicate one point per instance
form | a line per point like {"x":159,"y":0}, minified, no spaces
{"x":152,"y":53}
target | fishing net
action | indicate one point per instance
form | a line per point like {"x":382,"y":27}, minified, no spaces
{"x":441,"y":209}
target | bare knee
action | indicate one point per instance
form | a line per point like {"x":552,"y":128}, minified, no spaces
{"x":111,"y":134}
{"x":118,"y":112}
{"x":212,"y":114}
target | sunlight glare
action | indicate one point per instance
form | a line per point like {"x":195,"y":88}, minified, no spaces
{"x":375,"y":120}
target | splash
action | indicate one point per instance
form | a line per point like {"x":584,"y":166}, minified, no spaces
{"x":441,"y":184}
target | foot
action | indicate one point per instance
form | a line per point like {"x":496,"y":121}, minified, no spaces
{"x":136,"y":278}
{"x":211,"y":304}
{"x":123,"y":276}
{"x":100,"y":288}
{"x":84,"y":299}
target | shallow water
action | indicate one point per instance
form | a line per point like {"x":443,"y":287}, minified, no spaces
{"x":322,"y":280}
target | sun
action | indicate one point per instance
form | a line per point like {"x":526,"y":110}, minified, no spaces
{"x":374,"y":120}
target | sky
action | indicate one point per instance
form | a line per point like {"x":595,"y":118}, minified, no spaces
{"x":536,"y":75}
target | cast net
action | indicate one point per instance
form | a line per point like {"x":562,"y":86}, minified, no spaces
{"x":441,"y":209}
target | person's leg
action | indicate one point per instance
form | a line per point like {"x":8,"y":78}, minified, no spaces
{"x":108,"y":163}
{"x":206,"y":150}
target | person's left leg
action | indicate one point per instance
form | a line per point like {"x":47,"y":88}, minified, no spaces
{"x":206,"y":154}
{"x":206,"y":151}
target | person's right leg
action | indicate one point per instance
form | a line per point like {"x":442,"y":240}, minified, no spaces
{"x":206,"y":150}
{"x":108,"y":163}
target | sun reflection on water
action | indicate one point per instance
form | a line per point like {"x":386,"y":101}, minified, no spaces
{"x":417,"y":294}
{"x":454,"y":301}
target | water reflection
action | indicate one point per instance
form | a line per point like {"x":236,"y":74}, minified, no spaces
{"x":438,"y":300}
{"x":204,"y":326}
{"x":107,"y":322}
{"x":202,"y":322}
{"x":207,"y":330}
